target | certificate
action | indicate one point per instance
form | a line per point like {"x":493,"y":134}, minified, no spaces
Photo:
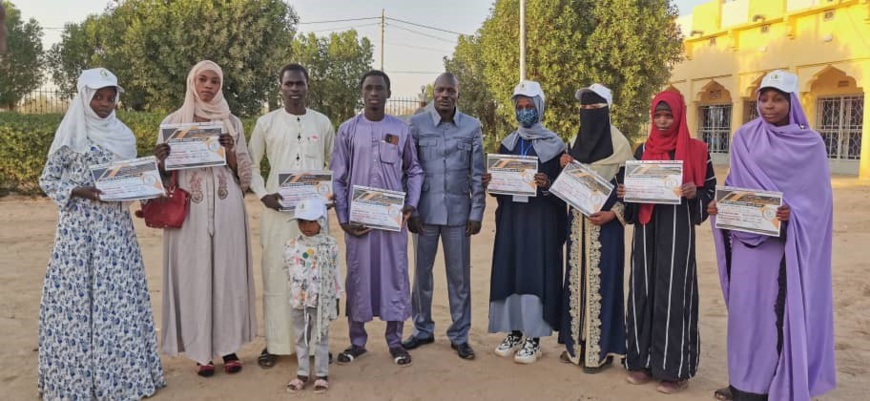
{"x":193,"y":145}
{"x":512,"y":175}
{"x":653,"y":181}
{"x":582,"y":188}
{"x":128,"y":180}
{"x":297,"y":185}
{"x":748,"y":210}
{"x":377,"y":208}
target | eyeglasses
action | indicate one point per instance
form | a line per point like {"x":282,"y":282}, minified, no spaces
{"x":593,"y":106}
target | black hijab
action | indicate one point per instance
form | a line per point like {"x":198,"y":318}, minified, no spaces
{"x":593,"y":141}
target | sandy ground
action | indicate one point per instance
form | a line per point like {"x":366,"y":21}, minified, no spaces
{"x":27,"y":234}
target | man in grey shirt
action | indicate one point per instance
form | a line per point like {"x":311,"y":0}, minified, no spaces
{"x":450,"y":149}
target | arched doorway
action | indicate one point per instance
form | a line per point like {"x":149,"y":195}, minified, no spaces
{"x":714,"y":117}
{"x":839,"y":112}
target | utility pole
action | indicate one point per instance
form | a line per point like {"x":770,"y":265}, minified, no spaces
{"x":382,"y":38}
{"x":522,"y":40}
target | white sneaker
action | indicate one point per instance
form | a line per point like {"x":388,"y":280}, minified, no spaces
{"x":529,"y":353}
{"x":509,"y":345}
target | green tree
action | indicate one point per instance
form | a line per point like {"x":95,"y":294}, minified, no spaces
{"x":151,"y":46}
{"x":21,"y":67}
{"x":335,"y":64}
{"x":475,"y":97}
{"x":627,"y":45}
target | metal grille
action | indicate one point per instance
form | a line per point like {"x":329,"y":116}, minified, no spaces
{"x":715,"y":127}
{"x":840,"y":121}
{"x":750,"y":111}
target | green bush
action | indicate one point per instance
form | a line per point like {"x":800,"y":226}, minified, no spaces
{"x":26,"y":138}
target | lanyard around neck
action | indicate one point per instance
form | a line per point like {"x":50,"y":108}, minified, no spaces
{"x":524,"y":150}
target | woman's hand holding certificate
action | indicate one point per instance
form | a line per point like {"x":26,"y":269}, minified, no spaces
{"x":128,"y":180}
{"x":582,"y":188}
{"x":749,"y":210}
{"x":512,"y":175}
{"x":656,"y":182}
{"x":195,"y":145}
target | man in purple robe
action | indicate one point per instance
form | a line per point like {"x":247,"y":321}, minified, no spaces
{"x":778,"y":289}
{"x":376,"y":150}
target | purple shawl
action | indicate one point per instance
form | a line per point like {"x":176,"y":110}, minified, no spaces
{"x":792,"y":159}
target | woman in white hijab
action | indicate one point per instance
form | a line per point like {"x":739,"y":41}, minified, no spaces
{"x":208,"y":277}
{"x":96,"y":330}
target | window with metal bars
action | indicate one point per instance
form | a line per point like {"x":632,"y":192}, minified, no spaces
{"x":840,"y":121}
{"x":715,"y":127}
{"x":750,"y":111}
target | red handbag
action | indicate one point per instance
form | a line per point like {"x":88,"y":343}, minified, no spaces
{"x":168,"y":211}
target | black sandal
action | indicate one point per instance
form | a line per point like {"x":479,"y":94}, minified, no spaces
{"x":723,"y":394}
{"x":401,"y":356}
{"x":351,"y":354}
{"x":266,"y":360}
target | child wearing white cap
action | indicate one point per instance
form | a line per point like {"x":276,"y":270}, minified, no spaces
{"x":311,"y":262}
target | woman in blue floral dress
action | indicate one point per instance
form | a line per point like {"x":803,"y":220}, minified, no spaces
{"x":96,"y":330}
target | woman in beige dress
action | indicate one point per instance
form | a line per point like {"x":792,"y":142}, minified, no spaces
{"x":208,"y":284}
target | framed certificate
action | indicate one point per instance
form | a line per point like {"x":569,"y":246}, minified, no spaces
{"x":512,"y":175}
{"x":128,"y":180}
{"x":377,"y":208}
{"x":296,"y":186}
{"x":193,"y":145}
{"x":656,"y":182}
{"x":748,"y":210}
{"x":582,"y":188}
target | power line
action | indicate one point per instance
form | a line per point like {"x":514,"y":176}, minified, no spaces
{"x":419,"y":47}
{"x":337,"y":20}
{"x":425,"y":26}
{"x":423,"y":34}
{"x":343,"y":28}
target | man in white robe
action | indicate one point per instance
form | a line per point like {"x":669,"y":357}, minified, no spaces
{"x":292,"y":138}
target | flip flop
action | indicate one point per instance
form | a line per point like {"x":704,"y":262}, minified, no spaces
{"x":351,"y":354}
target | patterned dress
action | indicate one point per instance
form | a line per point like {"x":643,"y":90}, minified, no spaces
{"x":96,"y":330}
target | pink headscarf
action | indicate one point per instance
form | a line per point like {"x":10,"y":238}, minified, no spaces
{"x":215,"y":110}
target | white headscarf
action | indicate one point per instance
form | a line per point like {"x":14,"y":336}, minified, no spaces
{"x":547,"y":144}
{"x":215,"y":110}
{"x":81,"y":126}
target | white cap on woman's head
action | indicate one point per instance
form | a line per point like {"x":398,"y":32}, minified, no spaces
{"x":98,"y":78}
{"x":310,"y":209}
{"x":599,"y":90}
{"x":780,"y":80}
{"x":528,"y":89}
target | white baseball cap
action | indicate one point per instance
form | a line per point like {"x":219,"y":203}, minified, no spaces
{"x":528,"y":89}
{"x":781,"y":80}
{"x":97,"y":78}
{"x":599,"y":90}
{"x":310,"y":209}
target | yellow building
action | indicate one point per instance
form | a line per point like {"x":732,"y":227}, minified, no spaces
{"x":730,"y":44}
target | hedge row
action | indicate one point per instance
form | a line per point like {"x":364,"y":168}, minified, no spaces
{"x":26,"y":138}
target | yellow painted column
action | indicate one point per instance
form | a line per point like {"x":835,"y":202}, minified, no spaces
{"x":737,"y":112}
{"x":864,"y":166}
{"x":692,"y":119}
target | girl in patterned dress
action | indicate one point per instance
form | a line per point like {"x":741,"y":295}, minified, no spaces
{"x":311,"y":262}
{"x":96,"y":330}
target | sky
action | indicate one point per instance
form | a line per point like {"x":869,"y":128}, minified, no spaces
{"x":413,"y":56}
